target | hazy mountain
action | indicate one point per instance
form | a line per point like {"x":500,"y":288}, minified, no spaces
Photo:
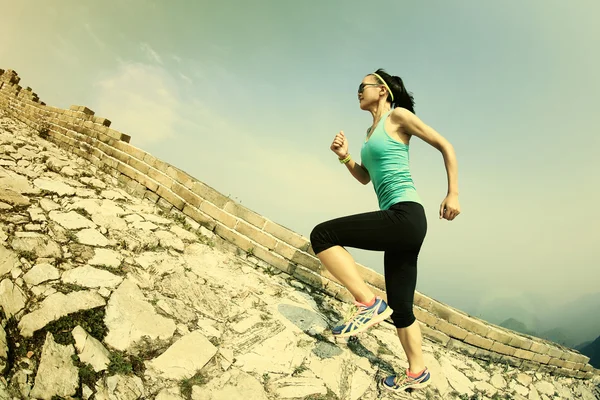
{"x":579,"y":347}
{"x":517,"y":326}
{"x":570,"y":323}
{"x":592,"y":350}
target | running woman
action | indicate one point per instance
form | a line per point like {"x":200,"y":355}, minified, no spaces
{"x":398,"y":228}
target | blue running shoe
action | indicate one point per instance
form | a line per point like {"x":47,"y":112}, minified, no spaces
{"x":363,"y":318}
{"x":403,"y":381}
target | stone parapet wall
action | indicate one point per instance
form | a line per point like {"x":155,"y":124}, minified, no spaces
{"x":89,"y":136}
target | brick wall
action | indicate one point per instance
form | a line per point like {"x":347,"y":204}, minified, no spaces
{"x":78,"y":130}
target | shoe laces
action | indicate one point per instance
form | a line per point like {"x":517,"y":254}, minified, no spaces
{"x":353,"y":311}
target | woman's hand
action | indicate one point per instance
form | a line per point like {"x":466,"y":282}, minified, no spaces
{"x":450,"y":207}
{"x":340,"y":145}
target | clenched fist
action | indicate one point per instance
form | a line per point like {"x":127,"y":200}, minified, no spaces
{"x":340,"y":145}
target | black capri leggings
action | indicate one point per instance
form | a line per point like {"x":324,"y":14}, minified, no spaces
{"x":398,"y":231}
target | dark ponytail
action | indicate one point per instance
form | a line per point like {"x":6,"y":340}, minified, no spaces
{"x":402,"y":98}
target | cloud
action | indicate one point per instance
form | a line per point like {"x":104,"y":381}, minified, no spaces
{"x":176,"y":58}
{"x":93,"y":35}
{"x":150,"y":53}
{"x":186,"y":78}
{"x":141,"y":101}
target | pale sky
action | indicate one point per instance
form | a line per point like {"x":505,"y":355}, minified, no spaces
{"x":247,"y":97}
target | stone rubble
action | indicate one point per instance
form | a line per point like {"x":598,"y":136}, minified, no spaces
{"x":105,"y":296}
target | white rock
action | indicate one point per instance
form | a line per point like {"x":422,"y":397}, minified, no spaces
{"x":113,"y":195}
{"x":91,"y":277}
{"x":18,"y":184}
{"x":3,"y":344}
{"x":133,"y":218}
{"x":60,"y":188}
{"x":184,"y":358}
{"x":48,"y":205}
{"x":12,"y":298}
{"x":524,"y":379}
{"x":295,"y":387}
{"x":90,"y":350}
{"x":36,"y":214}
{"x":107,"y":258}
{"x":120,"y":387}
{"x":111,"y":222}
{"x":169,"y":394}
{"x":129,"y":317}
{"x":457,"y":380}
{"x":498,"y":381}
{"x":86,"y":392}
{"x":8,"y":260}
{"x":156,"y":219}
{"x":69,"y":171}
{"x":92,"y":237}
{"x":56,"y":375}
{"x":57,"y":306}
{"x":41,"y":273}
{"x":71,"y":220}
{"x":144,"y":226}
{"x":169,"y":240}
{"x":16,"y":272}
{"x":545,"y":388}
{"x":522,"y":390}
{"x":183,"y":234}
{"x":104,"y":292}
{"x":230,"y":385}
{"x":486,"y":388}
{"x":41,"y":245}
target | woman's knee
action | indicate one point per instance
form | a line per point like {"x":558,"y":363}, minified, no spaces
{"x":403,"y":316}
{"x":321,"y":238}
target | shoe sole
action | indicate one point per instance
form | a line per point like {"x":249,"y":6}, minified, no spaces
{"x":374,"y":321}
{"x":415,"y":386}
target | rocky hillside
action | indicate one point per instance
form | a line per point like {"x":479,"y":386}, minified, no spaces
{"x":104,"y":296}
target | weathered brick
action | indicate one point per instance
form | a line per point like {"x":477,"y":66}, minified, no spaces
{"x":125,"y":138}
{"x":587,"y":368}
{"x":370,"y":276}
{"x":171,"y":197}
{"x":435,"y":335}
{"x":180,"y":176}
{"x":554,"y":352}
{"x":153,"y":197}
{"x":484,"y":354}
{"x":189,"y":196}
{"x":510,"y":360}
{"x":256,"y":234}
{"x":530,"y":365}
{"x":582,"y":359}
{"x":302,"y":258}
{"x":160,"y":178}
{"x":520,"y":342}
{"x":139,"y":165}
{"x":164,"y":205}
{"x":539,"y":348}
{"x":498,"y":335}
{"x":161,"y":165}
{"x":461,"y":347}
{"x":101,"y":121}
{"x":524,"y":354}
{"x":126,"y":169}
{"x":425,"y":316}
{"x":285,"y":250}
{"x":503,"y":349}
{"x":422,"y":301}
{"x":570,"y":365}
{"x":444,"y":312}
{"x":479,"y":341}
{"x":113,"y":134}
{"x":309,"y":277}
{"x":579,"y":366}
{"x":274,"y":259}
{"x":208,"y":193}
{"x":326,"y":274}
{"x":285,"y":235}
{"x":199,"y":217}
{"x":541,"y":358}
{"x":451,"y":330}
{"x":473,"y":325}
{"x":234,"y":237}
{"x":218,"y":214}
{"x":131,"y":150}
{"x":556,"y":362}
{"x":150,"y":183}
{"x":247,"y":215}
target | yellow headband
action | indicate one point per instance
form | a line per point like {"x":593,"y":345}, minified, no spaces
{"x":385,"y":84}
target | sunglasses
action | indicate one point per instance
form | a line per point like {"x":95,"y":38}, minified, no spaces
{"x":362,"y":86}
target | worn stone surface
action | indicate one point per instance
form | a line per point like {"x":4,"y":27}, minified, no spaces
{"x":56,"y":375}
{"x":187,"y":314}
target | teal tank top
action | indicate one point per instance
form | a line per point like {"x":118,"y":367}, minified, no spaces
{"x":387,"y":161}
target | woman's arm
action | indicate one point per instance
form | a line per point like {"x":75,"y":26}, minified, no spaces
{"x":358,"y":171}
{"x":412,"y":125}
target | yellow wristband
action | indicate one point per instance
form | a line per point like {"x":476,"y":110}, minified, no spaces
{"x":345,"y":160}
